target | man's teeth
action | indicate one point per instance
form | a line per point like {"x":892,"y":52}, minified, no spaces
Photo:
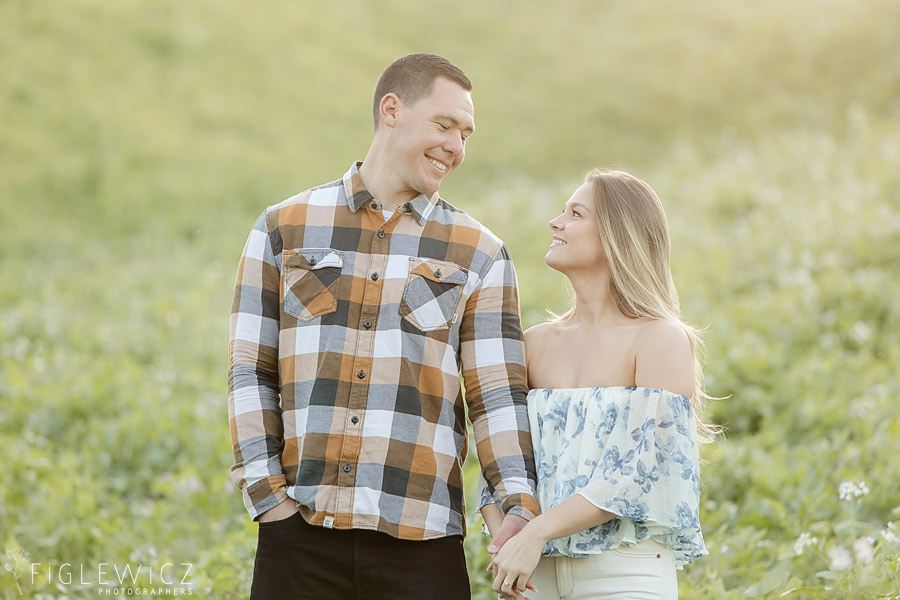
{"x":558,"y":243}
{"x":439,"y":165}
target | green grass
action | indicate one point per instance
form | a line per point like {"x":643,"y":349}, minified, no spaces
{"x":139,"y":141}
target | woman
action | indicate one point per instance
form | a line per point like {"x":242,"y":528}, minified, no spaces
{"x":615,"y":386}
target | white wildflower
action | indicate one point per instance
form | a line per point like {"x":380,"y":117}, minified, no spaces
{"x":803,"y":542}
{"x":839,"y":558}
{"x":889,"y":534}
{"x":189,"y":485}
{"x":864,"y":550}
{"x":861,"y":408}
{"x":860,"y":332}
{"x":829,"y":341}
{"x":850,"y":491}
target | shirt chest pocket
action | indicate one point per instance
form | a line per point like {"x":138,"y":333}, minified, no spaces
{"x":311,"y":277}
{"x":432,"y":293}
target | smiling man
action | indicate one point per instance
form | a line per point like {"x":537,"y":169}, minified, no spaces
{"x":357,"y":306}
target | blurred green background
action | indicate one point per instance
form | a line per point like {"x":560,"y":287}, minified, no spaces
{"x":140,"y":140}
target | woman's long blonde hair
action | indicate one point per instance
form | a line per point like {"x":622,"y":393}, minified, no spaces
{"x":635,"y":238}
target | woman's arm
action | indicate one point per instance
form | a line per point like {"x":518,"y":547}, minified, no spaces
{"x":493,"y":517}
{"x":517,"y":559}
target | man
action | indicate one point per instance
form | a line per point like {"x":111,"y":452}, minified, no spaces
{"x":357,"y":305}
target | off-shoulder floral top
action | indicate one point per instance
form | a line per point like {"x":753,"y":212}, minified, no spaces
{"x":631,"y":451}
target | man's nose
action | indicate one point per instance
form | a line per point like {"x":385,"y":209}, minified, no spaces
{"x":455,"y":144}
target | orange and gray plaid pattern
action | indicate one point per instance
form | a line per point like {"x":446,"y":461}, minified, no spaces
{"x":348,"y":336}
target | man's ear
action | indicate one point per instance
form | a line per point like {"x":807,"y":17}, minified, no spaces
{"x":388,"y":109}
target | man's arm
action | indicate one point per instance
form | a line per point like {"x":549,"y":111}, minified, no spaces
{"x":493,"y":368}
{"x":254,"y":411}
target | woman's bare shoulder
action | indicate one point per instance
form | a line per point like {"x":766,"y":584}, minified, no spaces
{"x":663,"y":331}
{"x":539,"y":333}
{"x":663,"y":357}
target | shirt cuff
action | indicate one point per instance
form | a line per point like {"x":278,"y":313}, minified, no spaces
{"x":523,"y":505}
{"x":265,"y":494}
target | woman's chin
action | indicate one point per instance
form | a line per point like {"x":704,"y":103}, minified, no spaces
{"x":551,"y":261}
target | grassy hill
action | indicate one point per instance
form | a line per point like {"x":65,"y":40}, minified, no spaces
{"x":140,"y":140}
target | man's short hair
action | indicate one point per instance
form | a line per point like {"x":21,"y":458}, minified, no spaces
{"x":411,"y":78}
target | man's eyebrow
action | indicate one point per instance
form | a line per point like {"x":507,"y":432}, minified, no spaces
{"x":456,"y":122}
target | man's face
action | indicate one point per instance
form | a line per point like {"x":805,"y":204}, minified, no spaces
{"x":428,"y":139}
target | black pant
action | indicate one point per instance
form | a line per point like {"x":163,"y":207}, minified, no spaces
{"x":296,"y":561}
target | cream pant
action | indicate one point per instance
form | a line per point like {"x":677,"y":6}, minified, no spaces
{"x":645,"y":571}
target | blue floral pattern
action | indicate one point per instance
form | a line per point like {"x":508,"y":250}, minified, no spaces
{"x":631,"y":451}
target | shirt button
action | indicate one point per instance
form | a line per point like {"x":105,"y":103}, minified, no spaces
{"x":311,"y":261}
{"x":381,"y":234}
{"x":361,"y":374}
{"x":437,"y":274}
{"x":374,"y":276}
{"x":346,"y":468}
{"x":354,"y":420}
{"x":367,"y":324}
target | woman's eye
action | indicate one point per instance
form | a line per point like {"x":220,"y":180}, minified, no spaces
{"x":576,"y":213}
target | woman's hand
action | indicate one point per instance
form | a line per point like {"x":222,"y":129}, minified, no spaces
{"x":517,"y":595}
{"x":516,"y":560}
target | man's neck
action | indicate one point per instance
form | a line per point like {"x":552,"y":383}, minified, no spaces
{"x":379,"y":183}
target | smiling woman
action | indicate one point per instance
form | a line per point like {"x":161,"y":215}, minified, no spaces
{"x":615,"y":394}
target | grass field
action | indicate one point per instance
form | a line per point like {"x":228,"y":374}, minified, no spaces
{"x":139,"y":141}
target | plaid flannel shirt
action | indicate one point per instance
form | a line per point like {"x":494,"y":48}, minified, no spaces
{"x":361,"y":327}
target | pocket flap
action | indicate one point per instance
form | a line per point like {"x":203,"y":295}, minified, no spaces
{"x":313,"y":258}
{"x":440,"y":271}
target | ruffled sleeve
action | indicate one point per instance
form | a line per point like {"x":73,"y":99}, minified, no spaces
{"x":637,"y":457}
{"x":648,"y":472}
{"x":486,"y":495}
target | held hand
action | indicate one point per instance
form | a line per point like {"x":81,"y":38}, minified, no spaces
{"x":279,"y":512}
{"x":516,"y":561}
{"x":518,"y":595}
{"x":510,"y":526}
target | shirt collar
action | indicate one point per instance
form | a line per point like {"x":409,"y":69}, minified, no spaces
{"x":357,"y":195}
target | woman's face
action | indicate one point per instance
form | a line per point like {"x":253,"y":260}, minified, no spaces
{"x":576,"y":240}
